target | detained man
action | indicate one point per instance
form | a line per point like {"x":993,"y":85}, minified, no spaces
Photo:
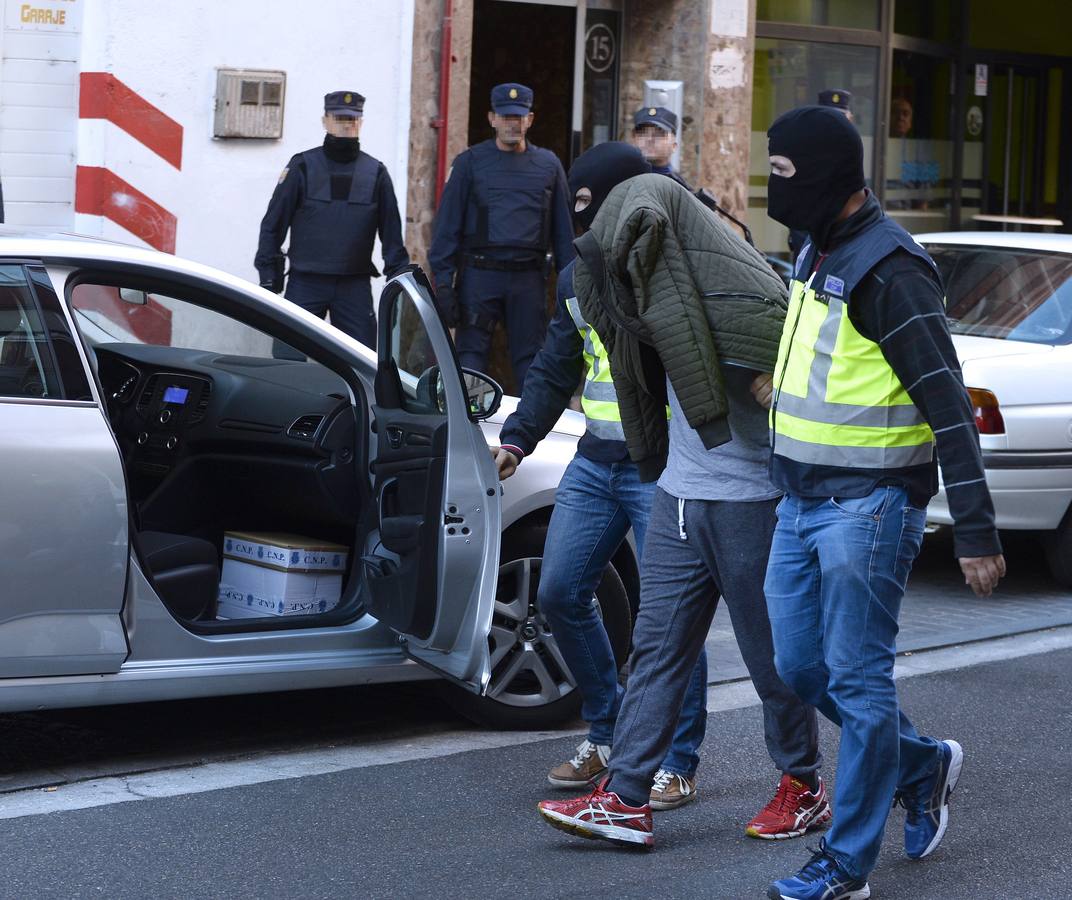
{"x":712,"y":515}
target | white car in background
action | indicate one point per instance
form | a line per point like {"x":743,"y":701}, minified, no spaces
{"x":1009,"y":302}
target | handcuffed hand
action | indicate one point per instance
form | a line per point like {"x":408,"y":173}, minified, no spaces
{"x":762,"y":389}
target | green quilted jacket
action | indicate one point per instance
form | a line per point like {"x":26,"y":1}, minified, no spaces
{"x":673,"y":292}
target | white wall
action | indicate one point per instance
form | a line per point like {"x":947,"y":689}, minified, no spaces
{"x":168,"y":51}
{"x":39,"y":51}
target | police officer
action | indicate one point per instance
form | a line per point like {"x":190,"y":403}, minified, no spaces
{"x":841,"y":100}
{"x":504,"y":208}
{"x":333,"y":198}
{"x":655,"y":133}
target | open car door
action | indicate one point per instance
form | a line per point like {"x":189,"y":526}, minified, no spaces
{"x":432,"y":576}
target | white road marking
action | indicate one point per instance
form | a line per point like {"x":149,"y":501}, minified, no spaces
{"x":301,"y":763}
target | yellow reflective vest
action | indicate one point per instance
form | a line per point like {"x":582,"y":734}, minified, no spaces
{"x":837,"y":402}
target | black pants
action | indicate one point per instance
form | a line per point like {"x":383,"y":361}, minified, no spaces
{"x":519,"y":298}
{"x":347,"y":297}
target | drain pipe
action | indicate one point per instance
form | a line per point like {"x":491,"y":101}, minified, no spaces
{"x":440,"y":122}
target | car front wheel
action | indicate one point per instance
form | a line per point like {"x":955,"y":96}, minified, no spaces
{"x":531,"y":686}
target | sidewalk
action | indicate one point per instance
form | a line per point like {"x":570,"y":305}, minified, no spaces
{"x":939,"y":609}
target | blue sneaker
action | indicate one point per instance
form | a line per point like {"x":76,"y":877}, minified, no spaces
{"x":927,"y":804}
{"x":820,"y":879}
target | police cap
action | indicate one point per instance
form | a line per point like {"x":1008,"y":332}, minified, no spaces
{"x":836,"y":97}
{"x":344,"y":104}
{"x":511,"y":99}
{"x":656,"y":115}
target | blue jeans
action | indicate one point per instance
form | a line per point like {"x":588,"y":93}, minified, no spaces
{"x":595,"y":506}
{"x":837,"y":573}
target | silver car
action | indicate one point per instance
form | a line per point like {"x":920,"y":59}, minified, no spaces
{"x":149,"y":406}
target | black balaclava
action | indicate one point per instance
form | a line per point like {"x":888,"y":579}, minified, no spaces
{"x":341,"y":149}
{"x":828,"y":154}
{"x":600,"y":170}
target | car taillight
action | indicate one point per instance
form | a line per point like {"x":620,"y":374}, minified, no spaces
{"x":987,"y":413}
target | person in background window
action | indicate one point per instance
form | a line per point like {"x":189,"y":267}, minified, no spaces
{"x":900,"y":117}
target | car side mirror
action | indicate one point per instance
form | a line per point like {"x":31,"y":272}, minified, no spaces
{"x":484,"y":395}
{"x":133,"y":297}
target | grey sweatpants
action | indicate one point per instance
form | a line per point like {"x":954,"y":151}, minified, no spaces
{"x":691,"y":556}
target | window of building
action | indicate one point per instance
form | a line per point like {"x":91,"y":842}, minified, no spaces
{"x":919,"y":148}
{"x":788,"y":74}
{"x":839,"y":13}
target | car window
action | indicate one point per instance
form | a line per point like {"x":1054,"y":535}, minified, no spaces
{"x":1021,"y":295}
{"x":412,"y":353}
{"x":135,"y":317}
{"x":27,"y":362}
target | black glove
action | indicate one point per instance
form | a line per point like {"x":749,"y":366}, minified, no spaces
{"x":447,"y":303}
{"x":272,"y":278}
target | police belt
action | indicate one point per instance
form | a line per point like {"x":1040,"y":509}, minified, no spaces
{"x":504,"y":265}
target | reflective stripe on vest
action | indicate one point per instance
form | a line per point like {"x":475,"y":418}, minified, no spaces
{"x":837,"y":401}
{"x":599,"y":400}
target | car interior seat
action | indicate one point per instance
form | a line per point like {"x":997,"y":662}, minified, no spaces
{"x":184,"y":570}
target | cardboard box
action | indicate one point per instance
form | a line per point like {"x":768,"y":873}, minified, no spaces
{"x":279,"y":575}
{"x":287,"y":552}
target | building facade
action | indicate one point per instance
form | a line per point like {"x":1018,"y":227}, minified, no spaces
{"x":168,"y":124}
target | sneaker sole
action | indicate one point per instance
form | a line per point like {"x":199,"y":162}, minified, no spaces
{"x":614,"y":834}
{"x":819,"y":820}
{"x":952,"y":776}
{"x":576,"y":783}
{"x":671,"y":804}
{"x":859,"y":894}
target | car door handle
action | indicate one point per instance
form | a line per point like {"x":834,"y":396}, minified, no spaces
{"x":391,"y":484}
{"x":395,"y":436}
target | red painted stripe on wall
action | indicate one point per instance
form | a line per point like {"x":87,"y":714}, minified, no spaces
{"x":103,"y":96}
{"x":100,"y":192}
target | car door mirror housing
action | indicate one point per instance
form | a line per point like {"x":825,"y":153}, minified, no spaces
{"x":484,"y":395}
{"x":133,"y":297}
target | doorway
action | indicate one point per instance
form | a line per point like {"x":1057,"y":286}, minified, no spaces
{"x":1012,"y":136}
{"x":530,"y":43}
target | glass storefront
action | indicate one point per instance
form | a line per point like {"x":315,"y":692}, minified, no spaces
{"x":839,"y":13}
{"x":962,"y":107}
{"x":919,"y":141}
{"x":792,"y":73}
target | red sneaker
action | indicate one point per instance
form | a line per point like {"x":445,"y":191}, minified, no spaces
{"x":792,"y":811}
{"x":601,"y":816}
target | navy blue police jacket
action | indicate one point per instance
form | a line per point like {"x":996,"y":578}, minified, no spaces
{"x":503,"y":205}
{"x":333,"y":210}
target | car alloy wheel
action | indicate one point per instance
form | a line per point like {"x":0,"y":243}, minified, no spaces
{"x":527,"y":668}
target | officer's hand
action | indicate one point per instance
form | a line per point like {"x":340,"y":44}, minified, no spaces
{"x":762,"y":389}
{"x":982,"y":573}
{"x":272,"y":286}
{"x":447,"y":303}
{"x":505,"y":462}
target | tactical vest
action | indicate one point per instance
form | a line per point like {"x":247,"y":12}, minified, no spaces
{"x":837,"y":402}
{"x":335,"y":237}
{"x":510,"y":198}
{"x":603,"y":418}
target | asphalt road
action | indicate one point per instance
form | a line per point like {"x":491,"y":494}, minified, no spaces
{"x":64,"y":746}
{"x":464,"y":825}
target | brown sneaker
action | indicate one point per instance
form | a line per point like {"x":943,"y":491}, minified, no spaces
{"x":670,"y":790}
{"x":587,"y":767}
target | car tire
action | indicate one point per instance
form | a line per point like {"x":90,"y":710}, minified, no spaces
{"x":1058,"y":545}
{"x":522,"y":703}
